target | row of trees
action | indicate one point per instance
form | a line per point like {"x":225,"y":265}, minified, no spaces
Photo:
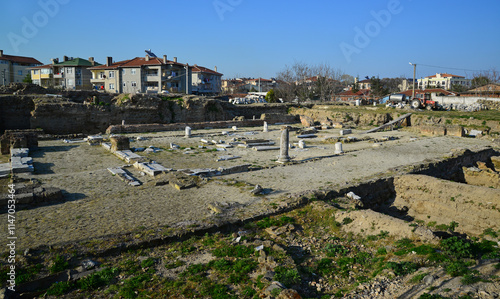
{"x":321,"y":82}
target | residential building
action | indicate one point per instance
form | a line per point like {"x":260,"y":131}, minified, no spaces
{"x":15,"y":68}
{"x":444,"y":81}
{"x":489,"y":90}
{"x":260,"y":84}
{"x":71,"y":73}
{"x":364,"y":84}
{"x":407,"y":84}
{"x":142,"y":75}
{"x":205,"y":80}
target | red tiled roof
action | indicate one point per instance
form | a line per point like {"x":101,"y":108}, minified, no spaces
{"x":431,"y":90}
{"x":20,"y":59}
{"x":351,"y":93}
{"x":202,"y":69}
{"x":136,"y":62}
{"x":445,"y":75}
{"x":365,"y":81}
{"x":47,"y":66}
{"x":261,"y":80}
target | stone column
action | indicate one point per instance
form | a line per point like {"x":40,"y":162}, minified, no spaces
{"x":266,"y":129}
{"x":283,"y":158}
{"x":188,"y":132}
{"x":338,"y":148}
{"x":302,"y":144}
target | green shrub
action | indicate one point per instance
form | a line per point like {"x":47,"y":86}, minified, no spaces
{"x":97,"y":279}
{"x":59,"y":264}
{"x":457,"y":268}
{"x":402,"y":268}
{"x":334,"y":250}
{"x":60,"y":288}
{"x":286,"y":276}
{"x":457,"y":247}
{"x":240,"y":251}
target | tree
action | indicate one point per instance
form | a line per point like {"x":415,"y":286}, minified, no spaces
{"x":306,"y":82}
{"x":377,"y":88}
{"x":27,"y":79}
{"x":270,"y":96}
{"x":458,"y":88}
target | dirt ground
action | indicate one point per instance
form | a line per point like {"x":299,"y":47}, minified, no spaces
{"x":98,"y":204}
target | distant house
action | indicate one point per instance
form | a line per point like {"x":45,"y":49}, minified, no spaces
{"x":142,"y":75}
{"x":364,"y":84}
{"x":432,"y":91}
{"x":205,"y":80}
{"x":349,"y":95}
{"x":444,"y":81}
{"x":15,"y":68}
{"x":71,"y":73}
{"x":490,"y":90}
{"x":260,"y":84}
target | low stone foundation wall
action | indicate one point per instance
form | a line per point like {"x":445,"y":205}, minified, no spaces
{"x":143,"y":128}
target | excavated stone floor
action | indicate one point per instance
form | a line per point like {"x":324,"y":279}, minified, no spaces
{"x":99,"y":204}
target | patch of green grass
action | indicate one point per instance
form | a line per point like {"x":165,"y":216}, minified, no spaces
{"x":402,"y":268}
{"x":335,"y":250}
{"x":268,"y":222}
{"x":60,"y":288}
{"x":240,"y":251}
{"x":286,"y":276}
{"x":134,"y":285}
{"x":457,"y":247}
{"x":417,"y":278}
{"x":59,"y":264}
{"x":457,"y":268}
{"x":147,"y":263}
{"x":470,"y":278}
{"x":97,"y":279}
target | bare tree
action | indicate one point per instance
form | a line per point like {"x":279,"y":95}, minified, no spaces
{"x":308,"y":82}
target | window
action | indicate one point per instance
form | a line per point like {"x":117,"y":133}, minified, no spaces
{"x":124,"y":84}
{"x":69,"y":70}
{"x":78,"y":82}
{"x":111,"y":86}
{"x":70,"y":82}
{"x":101,"y":75}
{"x":133,"y":83}
{"x":123,"y":72}
{"x":20,"y":73}
{"x":36,"y":82}
{"x":132,"y":71}
{"x":35,"y":72}
{"x":111,"y":74}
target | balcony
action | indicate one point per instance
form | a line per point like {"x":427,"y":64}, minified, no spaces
{"x":58,"y":76}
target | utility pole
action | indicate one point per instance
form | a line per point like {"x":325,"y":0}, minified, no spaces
{"x":414,"y":71}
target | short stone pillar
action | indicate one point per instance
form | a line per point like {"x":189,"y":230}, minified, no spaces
{"x":188,"y":132}
{"x":266,"y":128}
{"x":120,"y":143}
{"x":123,"y":122}
{"x":338,"y":148}
{"x":302,"y":144}
{"x":283,"y":157}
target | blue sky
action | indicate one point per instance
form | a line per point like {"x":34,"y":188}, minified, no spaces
{"x":258,"y":38}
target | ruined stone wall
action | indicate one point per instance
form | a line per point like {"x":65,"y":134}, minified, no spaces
{"x":15,"y":112}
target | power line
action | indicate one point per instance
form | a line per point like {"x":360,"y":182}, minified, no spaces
{"x":451,"y":68}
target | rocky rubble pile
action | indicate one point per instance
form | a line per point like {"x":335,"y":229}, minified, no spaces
{"x":24,"y":88}
{"x":465,"y":107}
